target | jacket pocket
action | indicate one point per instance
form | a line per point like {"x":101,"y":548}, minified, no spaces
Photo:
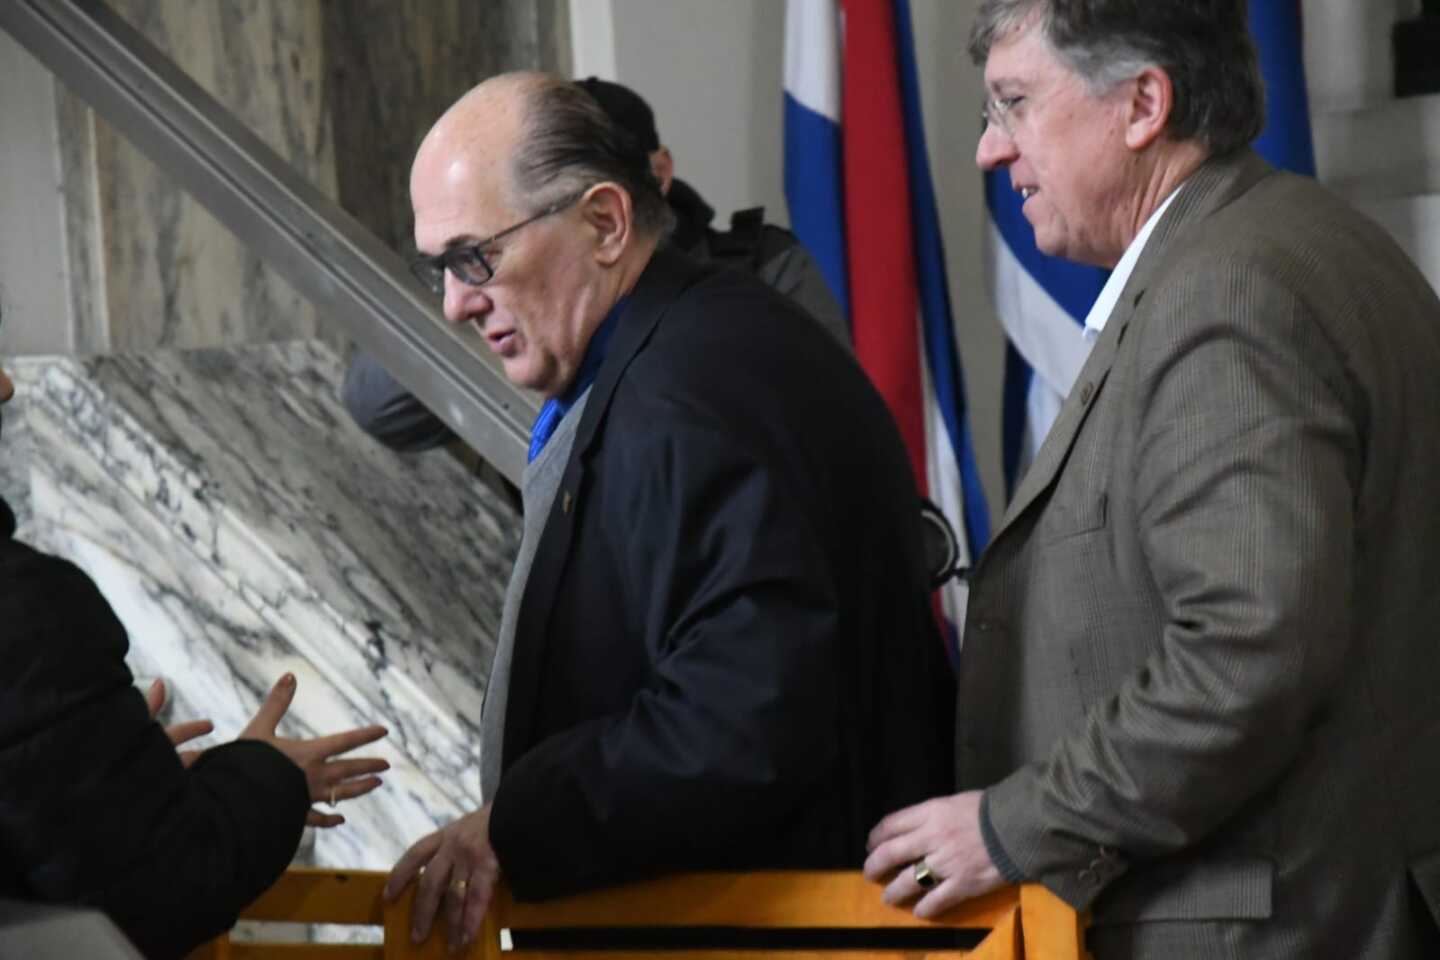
{"x":1238,"y":889}
{"x":1072,"y":516}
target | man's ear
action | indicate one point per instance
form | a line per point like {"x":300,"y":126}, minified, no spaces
{"x":662,"y":164}
{"x":1148,"y":110}
{"x":609,"y":214}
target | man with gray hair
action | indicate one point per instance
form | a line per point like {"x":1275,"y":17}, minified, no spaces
{"x":1198,"y":693}
{"x":717,"y":650}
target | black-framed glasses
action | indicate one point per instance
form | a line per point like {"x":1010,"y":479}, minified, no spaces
{"x":469,"y":263}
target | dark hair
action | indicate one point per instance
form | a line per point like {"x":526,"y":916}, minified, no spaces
{"x":1203,"y":45}
{"x":625,"y":107}
{"x":568,"y":143}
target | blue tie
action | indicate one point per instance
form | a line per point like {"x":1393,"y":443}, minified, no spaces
{"x":554,"y":409}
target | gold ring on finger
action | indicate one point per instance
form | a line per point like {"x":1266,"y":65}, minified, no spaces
{"x":924,"y":876}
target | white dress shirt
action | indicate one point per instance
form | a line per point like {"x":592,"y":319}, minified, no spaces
{"x":1099,"y":314}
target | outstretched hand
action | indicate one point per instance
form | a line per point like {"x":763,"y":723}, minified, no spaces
{"x":177,"y":732}
{"x":329,"y":780}
{"x":457,"y":866}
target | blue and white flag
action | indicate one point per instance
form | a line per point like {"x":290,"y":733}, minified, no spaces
{"x":1042,"y":302}
{"x":861,"y":200}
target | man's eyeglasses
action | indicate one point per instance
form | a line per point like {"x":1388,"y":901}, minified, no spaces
{"x":469,"y":263}
{"x":997,"y":110}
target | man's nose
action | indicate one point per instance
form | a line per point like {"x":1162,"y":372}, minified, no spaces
{"x":995,"y":149}
{"x":464,"y":301}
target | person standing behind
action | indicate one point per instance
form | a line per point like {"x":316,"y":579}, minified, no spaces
{"x":387,"y":411}
{"x":1198,"y":693}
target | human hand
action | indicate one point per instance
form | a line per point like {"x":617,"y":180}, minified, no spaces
{"x":458,"y":864}
{"x":328,"y":780}
{"x":945,"y":834}
{"x":177,"y":732}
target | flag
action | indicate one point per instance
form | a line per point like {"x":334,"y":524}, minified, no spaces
{"x":857,"y":180}
{"x":1042,"y":302}
{"x":1286,"y":141}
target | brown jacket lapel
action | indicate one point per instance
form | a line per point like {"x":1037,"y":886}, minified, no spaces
{"x":1209,"y":188}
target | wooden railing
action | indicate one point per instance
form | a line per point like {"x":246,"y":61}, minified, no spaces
{"x":1013,"y":923}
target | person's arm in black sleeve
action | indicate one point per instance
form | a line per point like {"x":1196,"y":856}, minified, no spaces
{"x":95,"y":808}
{"x":737,"y":726}
{"x":383,"y":408}
{"x":229,"y":829}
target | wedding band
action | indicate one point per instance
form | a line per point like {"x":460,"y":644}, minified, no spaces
{"x":332,"y":795}
{"x":924,"y":876}
{"x":460,"y":886}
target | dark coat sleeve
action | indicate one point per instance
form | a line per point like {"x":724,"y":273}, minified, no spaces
{"x":383,"y":408}
{"x":734,"y":726}
{"x":95,"y":808}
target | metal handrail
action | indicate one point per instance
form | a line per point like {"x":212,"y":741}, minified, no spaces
{"x":327,"y":255}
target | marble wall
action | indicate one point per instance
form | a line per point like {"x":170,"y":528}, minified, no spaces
{"x":32,"y":281}
{"x":340,"y":89}
{"x":243,"y":527}
{"x":174,"y":276}
{"x":393,"y":68}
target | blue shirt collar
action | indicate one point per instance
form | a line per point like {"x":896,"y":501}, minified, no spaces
{"x":554,"y":409}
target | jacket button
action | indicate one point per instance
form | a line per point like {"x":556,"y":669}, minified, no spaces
{"x":1086,"y":392}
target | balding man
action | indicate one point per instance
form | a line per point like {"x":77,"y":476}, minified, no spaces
{"x":717,"y":649}
{"x":393,"y":415}
{"x":1198,"y":695}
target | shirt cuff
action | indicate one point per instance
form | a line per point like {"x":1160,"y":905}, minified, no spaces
{"x":998,"y":856}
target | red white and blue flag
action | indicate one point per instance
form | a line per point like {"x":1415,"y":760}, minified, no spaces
{"x":857,"y":179}
{"x":1042,"y":301}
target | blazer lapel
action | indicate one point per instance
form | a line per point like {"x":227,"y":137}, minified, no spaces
{"x":1058,"y":441}
{"x":1210,"y":187}
{"x":664,"y":279}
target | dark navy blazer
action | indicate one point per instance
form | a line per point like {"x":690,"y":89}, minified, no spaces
{"x":725,"y":656}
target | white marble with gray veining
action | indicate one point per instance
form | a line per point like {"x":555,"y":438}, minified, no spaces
{"x":242,"y":526}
